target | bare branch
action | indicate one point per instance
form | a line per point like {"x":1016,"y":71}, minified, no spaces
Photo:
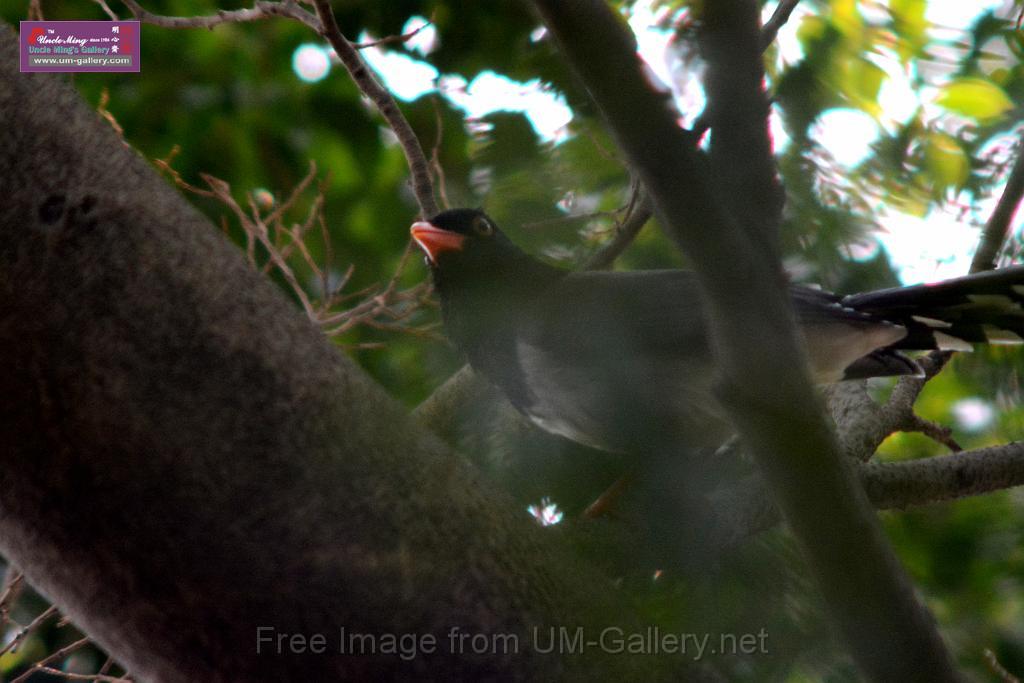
{"x":101,"y":109}
{"x":55,"y":656}
{"x":998,"y":227}
{"x":390,"y":40}
{"x":325,"y":24}
{"x":106,"y":9}
{"x":435,"y":155}
{"x":997,"y":669}
{"x":746,"y":508}
{"x":386,"y":307}
{"x":69,"y":676}
{"x":24,"y":631}
{"x":934,"y":431}
{"x":13,"y":582}
{"x":862,"y":424}
{"x":778,"y":19}
{"x":638,"y":212}
{"x":418,"y":166}
{"x":262,"y":9}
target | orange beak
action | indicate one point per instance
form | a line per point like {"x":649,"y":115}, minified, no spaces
{"x":433,"y":240}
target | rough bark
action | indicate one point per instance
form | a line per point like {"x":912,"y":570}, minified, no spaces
{"x":186,"y":458}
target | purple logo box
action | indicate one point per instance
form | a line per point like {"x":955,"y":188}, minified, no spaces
{"x":79,"y":46}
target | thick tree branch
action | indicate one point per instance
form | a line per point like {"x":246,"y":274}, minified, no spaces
{"x":746,"y":508}
{"x":768,"y":34}
{"x":930,"y":480}
{"x":741,"y":154}
{"x":997,"y":229}
{"x":441,"y":412}
{"x":186,"y":458}
{"x":766,"y":386}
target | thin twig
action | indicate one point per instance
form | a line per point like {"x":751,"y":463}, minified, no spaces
{"x":55,"y":656}
{"x":25,"y":630}
{"x":419,"y":168}
{"x":435,"y":155}
{"x":389,"y":40}
{"x":325,"y":271}
{"x":106,"y":10}
{"x":107,"y":666}
{"x":102,"y":110}
{"x":382,"y":307}
{"x":12,"y":588}
{"x":638,"y":212}
{"x":98,"y":678}
{"x":779,"y":17}
{"x":261,"y":10}
{"x":988,"y":655}
{"x":934,"y":431}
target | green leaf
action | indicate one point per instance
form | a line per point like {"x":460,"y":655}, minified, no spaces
{"x":910,"y":25}
{"x":861,"y":82}
{"x":811,"y":30}
{"x":946,"y":161}
{"x":846,"y":17}
{"x":974,"y":97}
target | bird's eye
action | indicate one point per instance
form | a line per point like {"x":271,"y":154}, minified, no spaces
{"x":483,"y":227}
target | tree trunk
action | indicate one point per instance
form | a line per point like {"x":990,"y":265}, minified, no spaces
{"x":190,"y":469}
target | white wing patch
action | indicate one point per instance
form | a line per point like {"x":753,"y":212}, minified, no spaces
{"x":947,"y":342}
{"x":997,"y":335}
{"x":932,"y":322}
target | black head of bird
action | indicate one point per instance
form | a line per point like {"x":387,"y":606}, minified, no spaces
{"x":480,"y":275}
{"x":464,"y":247}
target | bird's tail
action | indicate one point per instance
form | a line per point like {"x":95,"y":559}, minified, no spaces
{"x":954,"y":314}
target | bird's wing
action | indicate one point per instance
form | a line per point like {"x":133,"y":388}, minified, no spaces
{"x":648,"y":321}
{"x":616,"y":358}
{"x":656,"y":313}
{"x":598,"y":349}
{"x":984,"y":307}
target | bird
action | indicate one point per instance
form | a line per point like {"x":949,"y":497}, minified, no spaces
{"x":623,"y":362}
